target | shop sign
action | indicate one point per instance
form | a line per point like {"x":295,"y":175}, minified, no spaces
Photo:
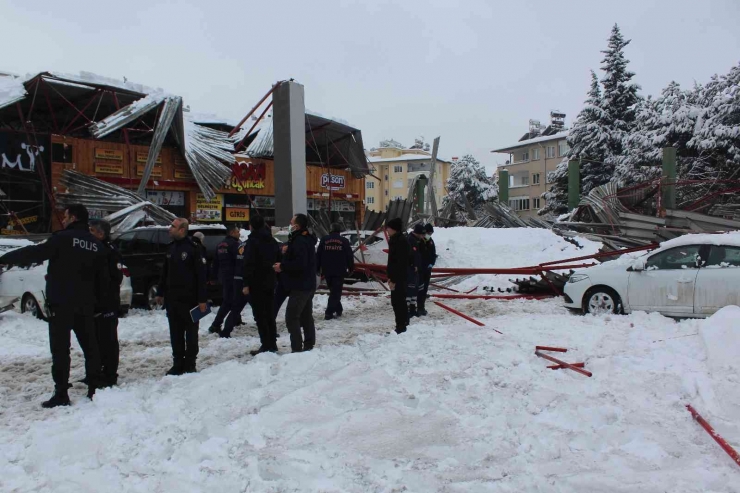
{"x":114,"y":154}
{"x":246,"y":175}
{"x":208,"y":210}
{"x":156,"y":171}
{"x":109,"y":168}
{"x":141,"y":157}
{"x":183,"y":173}
{"x":236,"y":214}
{"x":332,"y":182}
{"x":165,"y":198}
{"x":97,"y":213}
{"x":17,"y":154}
{"x":14,"y":225}
{"x":262,"y":202}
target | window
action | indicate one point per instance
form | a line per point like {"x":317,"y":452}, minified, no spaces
{"x":563,"y":149}
{"x":535,"y":154}
{"x":535,"y":202}
{"x":536,"y":179}
{"x":398,"y":184}
{"x":369,"y":200}
{"x":684,"y":257}
{"x":519,"y":204}
{"x":386,"y":193}
{"x":398,"y":169}
{"x":525,"y":156}
{"x":724,"y":256}
{"x":525,"y":181}
{"x":386,"y":177}
{"x":550,"y":151}
{"x":369,"y":184}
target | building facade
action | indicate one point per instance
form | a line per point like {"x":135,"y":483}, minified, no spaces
{"x":395,"y":171}
{"x":529,"y":163}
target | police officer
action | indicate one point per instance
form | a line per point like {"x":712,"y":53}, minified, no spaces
{"x":261,"y":253}
{"x":415,"y":269}
{"x":429,"y":258}
{"x":76,"y":274}
{"x":226,"y":254}
{"x":399,"y":261}
{"x":182,"y":287}
{"x":109,"y":303}
{"x":334,"y":260}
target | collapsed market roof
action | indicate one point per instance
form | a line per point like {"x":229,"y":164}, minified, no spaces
{"x":329,"y":142}
{"x":87,"y":105}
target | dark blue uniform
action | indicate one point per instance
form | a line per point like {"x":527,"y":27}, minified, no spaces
{"x":240,"y":300}
{"x":415,"y":268}
{"x":183,"y":286}
{"x":428,"y":259}
{"x":334,"y":260}
{"x":299,"y":267}
{"x":261,"y":253}
{"x":399,"y":260}
{"x":226,"y":262}
{"x":106,"y":316}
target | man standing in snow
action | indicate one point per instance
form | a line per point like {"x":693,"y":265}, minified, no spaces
{"x":416,"y":244}
{"x":299,"y":266}
{"x":109,"y":303}
{"x":261,"y":253}
{"x":225,"y":265}
{"x":428,"y":258}
{"x":334,"y":259}
{"x":182,"y":287}
{"x":399,"y":262}
{"x":76,"y":275}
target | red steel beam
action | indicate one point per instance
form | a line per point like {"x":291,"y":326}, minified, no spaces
{"x":439,"y":286}
{"x":241,"y":144}
{"x":550,"y":348}
{"x":466,"y":271}
{"x":565,"y":365}
{"x":272,"y":89}
{"x":717,"y":438}
{"x":490,"y":297}
{"x":603,"y":254}
{"x":460,"y":314}
{"x":468,"y":292}
{"x":560,"y":367}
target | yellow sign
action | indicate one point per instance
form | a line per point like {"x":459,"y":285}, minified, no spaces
{"x":156,"y":171}
{"x":183,"y":173}
{"x":236,"y":214}
{"x":141,"y":158}
{"x":208,"y":210}
{"x":110,"y":168}
{"x":116,"y":155}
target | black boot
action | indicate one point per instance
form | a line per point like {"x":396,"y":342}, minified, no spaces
{"x":328,"y":316}
{"x":412,"y":311}
{"x":190,"y":367}
{"x":177,"y":369}
{"x":255,"y":352}
{"x":421,"y":312}
{"x":58,"y":399}
{"x":90,"y":392}
{"x":213,"y":329}
{"x":224,"y":335}
{"x":400,"y":330}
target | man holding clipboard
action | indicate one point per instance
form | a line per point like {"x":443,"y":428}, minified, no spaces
{"x":183,"y":287}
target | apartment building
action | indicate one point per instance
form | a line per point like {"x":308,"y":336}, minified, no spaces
{"x":530,"y":160}
{"x":396,"y":169}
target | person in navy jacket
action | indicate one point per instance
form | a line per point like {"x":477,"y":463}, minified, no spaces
{"x":335,"y":260}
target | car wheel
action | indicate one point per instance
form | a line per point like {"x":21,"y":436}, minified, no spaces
{"x":30,"y":305}
{"x":601,"y":301}
{"x":151,"y":295}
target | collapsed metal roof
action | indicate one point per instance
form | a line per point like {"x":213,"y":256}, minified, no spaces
{"x":88,"y":104}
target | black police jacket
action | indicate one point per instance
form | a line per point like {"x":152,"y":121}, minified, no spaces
{"x":417,"y":252}
{"x":226,"y":257}
{"x":261,"y":252}
{"x":77,"y":272}
{"x":334,"y":256}
{"x":184,"y":273}
{"x":110,"y":299}
{"x":299,"y":262}
{"x":429,"y":255}
{"x":399,"y":259}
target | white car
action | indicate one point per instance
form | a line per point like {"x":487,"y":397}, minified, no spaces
{"x":375,"y":249}
{"x":691,"y":276}
{"x":28,"y":286}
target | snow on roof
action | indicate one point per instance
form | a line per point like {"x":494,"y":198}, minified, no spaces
{"x":11,"y":90}
{"x":100,"y":80}
{"x":405,"y":157}
{"x":557,"y":136}
{"x":723,"y":239}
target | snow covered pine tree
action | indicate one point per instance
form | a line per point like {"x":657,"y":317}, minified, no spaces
{"x":468,"y":178}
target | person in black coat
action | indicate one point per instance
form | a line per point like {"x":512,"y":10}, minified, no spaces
{"x":416,"y":268}
{"x":76,"y":276}
{"x":334,"y":259}
{"x":108,"y":306}
{"x":261,"y":253}
{"x":182,"y":287}
{"x":429,"y":258}
{"x":299,"y":266}
{"x":225,"y":265}
{"x":399,"y":264}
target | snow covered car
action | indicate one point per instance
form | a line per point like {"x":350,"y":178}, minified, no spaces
{"x":28,"y":285}
{"x":375,"y":250}
{"x":691,"y":276}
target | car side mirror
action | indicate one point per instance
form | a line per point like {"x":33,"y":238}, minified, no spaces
{"x":637,"y":266}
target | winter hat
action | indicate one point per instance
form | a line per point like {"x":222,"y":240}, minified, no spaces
{"x":429,"y":228}
{"x":419,"y":229}
{"x":395,"y":224}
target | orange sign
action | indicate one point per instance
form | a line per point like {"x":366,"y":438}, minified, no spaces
{"x":183,"y":173}
{"x":156,"y":171}
{"x":236,"y":214}
{"x":116,"y":155}
{"x":109,"y":168}
{"x":141,"y":158}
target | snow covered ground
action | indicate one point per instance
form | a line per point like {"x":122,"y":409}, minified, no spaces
{"x":448,"y":406}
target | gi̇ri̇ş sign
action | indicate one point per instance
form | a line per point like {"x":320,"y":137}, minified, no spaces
{"x":332,"y":182}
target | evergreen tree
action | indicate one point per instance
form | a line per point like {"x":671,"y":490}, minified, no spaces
{"x":468,"y":178}
{"x":620,"y":96}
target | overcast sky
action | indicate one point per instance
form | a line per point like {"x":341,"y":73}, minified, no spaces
{"x":473,"y":72}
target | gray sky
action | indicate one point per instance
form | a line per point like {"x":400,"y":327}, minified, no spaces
{"x":473,"y":72}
